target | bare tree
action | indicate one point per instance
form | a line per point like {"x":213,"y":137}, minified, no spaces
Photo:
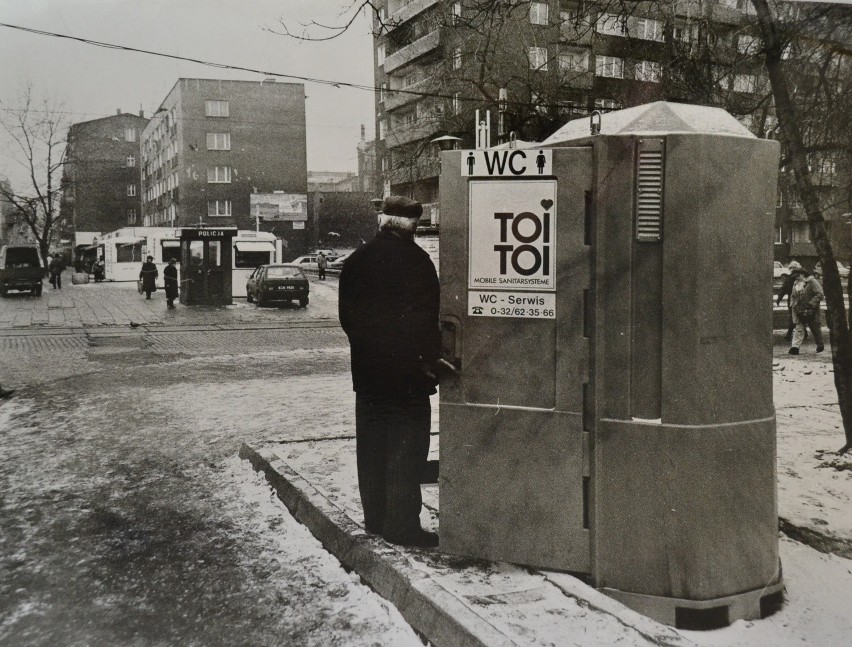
{"x":831,"y":79}
{"x":37,"y":130}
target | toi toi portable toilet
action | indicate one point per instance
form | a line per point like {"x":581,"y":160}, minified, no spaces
{"x":607,"y":299}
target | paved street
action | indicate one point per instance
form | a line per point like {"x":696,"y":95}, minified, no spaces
{"x":127,"y":518}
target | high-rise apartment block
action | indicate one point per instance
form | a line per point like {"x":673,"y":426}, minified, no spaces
{"x":101,"y":188}
{"x":212,"y":145}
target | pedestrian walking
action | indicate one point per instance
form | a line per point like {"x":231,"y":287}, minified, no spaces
{"x":388,"y":307}
{"x":57,"y":265}
{"x":322,"y":263}
{"x":99,"y":270}
{"x":784,"y":291}
{"x":148,"y":274}
{"x":806,"y":297}
{"x":170,"y":276}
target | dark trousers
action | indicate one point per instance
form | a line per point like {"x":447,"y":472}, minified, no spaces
{"x":392,"y":445}
{"x":56,"y":280}
{"x":321,"y":272}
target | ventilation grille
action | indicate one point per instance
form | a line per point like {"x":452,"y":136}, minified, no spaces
{"x":649,"y":191}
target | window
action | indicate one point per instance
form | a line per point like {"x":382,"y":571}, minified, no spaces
{"x":647,"y":71}
{"x":611,"y":25}
{"x":218,"y":174}
{"x":130,"y":161}
{"x":457,"y":58}
{"x":800,"y":232}
{"x":218,"y":141}
{"x":383,"y":126}
{"x":573,"y":60}
{"x":456,"y":14}
{"x":609,"y":66}
{"x":218,"y":207}
{"x":745,"y":83}
{"x":649,"y":29}
{"x":748,"y":44}
{"x":456,"y":103}
{"x":539,"y":13}
{"x":131,"y":216}
{"x":538,"y":58}
{"x":129,"y":252}
{"x":607,"y":104}
{"x":380,"y":54}
{"x":130,"y":134}
{"x":383,"y":92}
{"x":171,"y":249}
{"x":218,"y":108}
{"x":685,"y":33}
{"x":779,"y":236}
{"x":131,"y":190}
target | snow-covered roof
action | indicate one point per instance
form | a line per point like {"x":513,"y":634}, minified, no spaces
{"x":654,"y":118}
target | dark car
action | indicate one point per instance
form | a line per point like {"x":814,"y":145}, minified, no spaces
{"x":277,"y":284}
{"x":20,"y":269}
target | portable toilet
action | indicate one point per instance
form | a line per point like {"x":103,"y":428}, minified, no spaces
{"x":608,"y":300}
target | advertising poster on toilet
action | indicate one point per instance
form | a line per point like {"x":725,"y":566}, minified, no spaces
{"x":512,"y":229}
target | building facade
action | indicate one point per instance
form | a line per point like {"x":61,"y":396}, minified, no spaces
{"x":101,"y":189}
{"x":538,"y":64}
{"x":228,"y":153}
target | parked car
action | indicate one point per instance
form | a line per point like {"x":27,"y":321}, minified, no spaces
{"x":278,"y":284}
{"x":779,"y":271}
{"x":337,"y":263}
{"x":309,"y":261}
{"x":20,"y":269}
{"x":842,"y":269}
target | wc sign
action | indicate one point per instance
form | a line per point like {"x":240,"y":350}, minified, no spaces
{"x":508,"y":162}
{"x":512,"y":238}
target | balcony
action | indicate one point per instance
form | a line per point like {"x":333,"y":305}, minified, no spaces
{"x":394,"y":99}
{"x":405,"y":133}
{"x":415,"y":50}
{"x":408,"y":11}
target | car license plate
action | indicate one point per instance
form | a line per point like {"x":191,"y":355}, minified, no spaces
{"x":285,"y":287}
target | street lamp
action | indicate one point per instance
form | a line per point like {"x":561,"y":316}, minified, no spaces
{"x":447,"y":142}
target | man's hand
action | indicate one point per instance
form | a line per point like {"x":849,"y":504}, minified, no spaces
{"x":439,"y":367}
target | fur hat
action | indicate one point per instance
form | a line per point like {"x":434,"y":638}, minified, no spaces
{"x":794,"y":265}
{"x":397,"y":205}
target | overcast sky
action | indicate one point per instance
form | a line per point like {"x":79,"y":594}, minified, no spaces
{"x":93,"y":82}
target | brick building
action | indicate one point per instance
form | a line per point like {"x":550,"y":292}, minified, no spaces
{"x":228,"y":153}
{"x":101,"y":188}
{"x":538,"y":64}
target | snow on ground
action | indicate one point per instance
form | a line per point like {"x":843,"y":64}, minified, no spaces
{"x":362,"y":605}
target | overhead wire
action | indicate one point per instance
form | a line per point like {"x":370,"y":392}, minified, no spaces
{"x":240,"y":68}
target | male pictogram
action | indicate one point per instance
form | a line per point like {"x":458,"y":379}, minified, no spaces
{"x":470,"y":162}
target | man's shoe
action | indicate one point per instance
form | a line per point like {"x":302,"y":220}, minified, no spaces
{"x":6,"y":393}
{"x":419,"y":539}
{"x":793,"y":351}
{"x":820,"y":348}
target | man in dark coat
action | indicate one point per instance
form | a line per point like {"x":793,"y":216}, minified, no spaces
{"x":785,"y":291}
{"x":170,"y":276}
{"x":388,"y":307}
{"x":56,"y":267}
{"x":149,"y":274}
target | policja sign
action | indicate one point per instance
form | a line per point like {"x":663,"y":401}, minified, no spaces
{"x":512,"y":238}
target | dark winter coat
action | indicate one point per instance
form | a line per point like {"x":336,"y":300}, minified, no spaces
{"x":149,"y":274}
{"x":388,"y":305}
{"x":170,"y":276}
{"x":56,"y":265}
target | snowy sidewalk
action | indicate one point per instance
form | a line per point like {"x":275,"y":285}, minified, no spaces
{"x":456,"y":601}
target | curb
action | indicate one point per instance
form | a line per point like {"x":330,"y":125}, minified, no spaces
{"x":433,"y":612}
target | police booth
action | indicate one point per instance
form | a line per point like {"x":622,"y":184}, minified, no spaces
{"x":606,"y":298}
{"x":206,"y":264}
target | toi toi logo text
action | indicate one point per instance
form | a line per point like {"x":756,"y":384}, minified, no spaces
{"x":525,"y":258}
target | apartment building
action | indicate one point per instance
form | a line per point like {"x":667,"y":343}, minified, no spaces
{"x":228,"y":153}
{"x":543,"y":63}
{"x":101,"y":189}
